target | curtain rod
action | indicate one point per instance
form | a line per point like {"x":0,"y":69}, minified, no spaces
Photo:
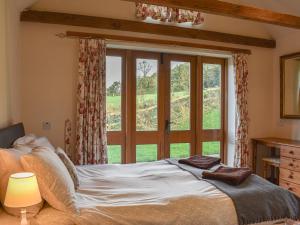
{"x":74,"y":34}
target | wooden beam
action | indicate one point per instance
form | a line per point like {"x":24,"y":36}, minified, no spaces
{"x":231,"y":10}
{"x":141,"y":27}
{"x":156,"y":41}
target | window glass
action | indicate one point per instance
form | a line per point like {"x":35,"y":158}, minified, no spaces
{"x":146,"y":153}
{"x":113,"y":93}
{"x":180,"y":95}
{"x":146,"y":91}
{"x":211,"y":96}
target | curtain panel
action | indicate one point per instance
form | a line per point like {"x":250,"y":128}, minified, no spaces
{"x":242,"y":154}
{"x":166,"y":14}
{"x":68,"y":137}
{"x":91,"y":140}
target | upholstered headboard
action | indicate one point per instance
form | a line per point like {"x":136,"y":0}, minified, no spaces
{"x":10,"y":134}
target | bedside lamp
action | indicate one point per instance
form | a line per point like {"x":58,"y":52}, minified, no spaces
{"x":22,"y":191}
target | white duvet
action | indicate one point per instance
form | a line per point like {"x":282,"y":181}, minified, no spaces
{"x":143,"y":194}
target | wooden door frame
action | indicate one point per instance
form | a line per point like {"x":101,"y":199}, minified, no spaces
{"x":128,"y":137}
{"x":213,"y":134}
{"x":188,"y":136}
{"x":119,"y":137}
{"x":153,"y":137}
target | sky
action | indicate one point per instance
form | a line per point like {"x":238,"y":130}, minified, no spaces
{"x":113,"y":69}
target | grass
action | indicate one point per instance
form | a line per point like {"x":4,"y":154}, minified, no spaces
{"x":146,"y":153}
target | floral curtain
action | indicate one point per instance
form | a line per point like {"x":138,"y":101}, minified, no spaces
{"x":166,"y":14}
{"x":68,"y":136}
{"x":242,"y":155}
{"x":91,"y":142}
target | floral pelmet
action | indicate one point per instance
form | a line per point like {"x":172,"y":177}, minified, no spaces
{"x":166,"y":14}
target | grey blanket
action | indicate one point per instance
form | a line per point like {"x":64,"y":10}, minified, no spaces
{"x":256,"y":200}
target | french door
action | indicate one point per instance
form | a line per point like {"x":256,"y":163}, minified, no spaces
{"x":164,"y":106}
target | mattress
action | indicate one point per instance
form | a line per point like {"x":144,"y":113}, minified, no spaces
{"x":143,"y":194}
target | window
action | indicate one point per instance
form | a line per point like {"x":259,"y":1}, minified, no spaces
{"x":113,"y":93}
{"x":180,"y":95}
{"x":115,"y":105}
{"x":146,"y":94}
{"x":211,"y":96}
{"x":164,"y":106}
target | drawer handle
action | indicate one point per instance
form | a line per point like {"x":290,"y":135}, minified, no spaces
{"x":291,"y":152}
{"x":291,"y":177}
{"x":291,"y":164}
{"x":290,"y":189}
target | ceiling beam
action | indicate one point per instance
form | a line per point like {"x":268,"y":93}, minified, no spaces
{"x":231,"y":10}
{"x":155,"y":41}
{"x":142,"y":27}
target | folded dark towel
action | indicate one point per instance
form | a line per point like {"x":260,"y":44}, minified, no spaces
{"x":232,"y":176}
{"x":202,"y":162}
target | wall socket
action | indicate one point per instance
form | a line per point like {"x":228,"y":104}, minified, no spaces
{"x":46,"y":125}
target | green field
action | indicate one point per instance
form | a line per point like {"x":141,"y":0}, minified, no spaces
{"x":146,"y":153}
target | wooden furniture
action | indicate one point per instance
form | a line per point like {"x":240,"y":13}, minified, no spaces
{"x":152,"y":41}
{"x":274,"y":163}
{"x":289,"y":171}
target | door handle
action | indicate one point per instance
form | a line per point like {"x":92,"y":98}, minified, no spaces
{"x":167,"y":126}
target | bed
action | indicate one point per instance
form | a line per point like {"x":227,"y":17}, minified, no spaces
{"x":137,"y":194}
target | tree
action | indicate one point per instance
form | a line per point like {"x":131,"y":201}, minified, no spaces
{"x":180,"y":78}
{"x":211,"y":74}
{"x":114,"y":89}
{"x":144,"y":67}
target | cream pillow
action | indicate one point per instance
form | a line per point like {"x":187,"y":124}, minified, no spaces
{"x":42,"y":142}
{"x":10,"y":164}
{"x":55,"y":182}
{"x":69,"y":165}
{"x":31,"y":141}
{"x":23,"y":148}
{"x":27,"y":139}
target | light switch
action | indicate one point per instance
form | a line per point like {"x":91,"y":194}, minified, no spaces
{"x":46,"y":125}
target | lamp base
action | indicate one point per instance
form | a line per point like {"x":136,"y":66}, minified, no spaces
{"x":24,"y":217}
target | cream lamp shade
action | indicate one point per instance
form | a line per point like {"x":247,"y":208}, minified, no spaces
{"x":22,"y":191}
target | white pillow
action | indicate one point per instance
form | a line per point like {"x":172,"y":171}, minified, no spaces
{"x":23,"y":148}
{"x":10,"y":164}
{"x":69,"y":165}
{"x":27,"y":139}
{"x":56,"y":185}
{"x":32,"y":141}
{"x":42,"y":142}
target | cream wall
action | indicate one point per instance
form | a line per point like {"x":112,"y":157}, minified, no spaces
{"x":288,"y":42}
{"x":126,"y":10}
{"x":13,"y":10}
{"x":49,"y":74}
{"x":4,"y":90}
{"x":10,"y":111}
{"x":48,"y":84}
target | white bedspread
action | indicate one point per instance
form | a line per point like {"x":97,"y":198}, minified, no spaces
{"x":150,"y":193}
{"x":144,"y":194}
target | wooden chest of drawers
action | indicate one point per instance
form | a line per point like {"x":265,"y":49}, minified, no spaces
{"x":290,"y":169}
{"x":289,"y":173}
